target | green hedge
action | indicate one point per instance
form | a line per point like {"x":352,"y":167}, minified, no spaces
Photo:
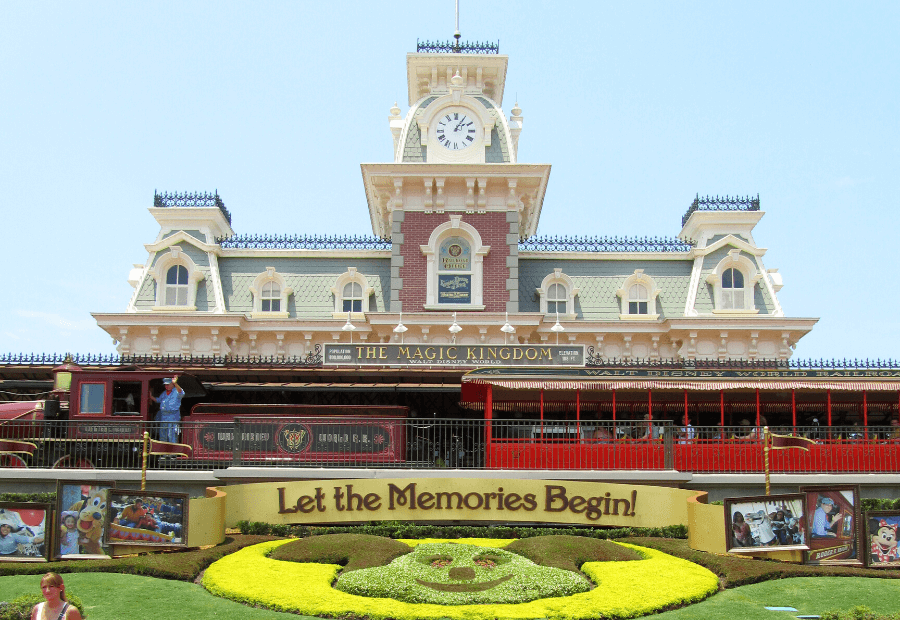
{"x":178,"y":565}
{"x":390,"y":529}
{"x":43,"y":498}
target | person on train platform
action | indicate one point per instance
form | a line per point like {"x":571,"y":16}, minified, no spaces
{"x":825,"y":520}
{"x":650,"y":430}
{"x":686,"y":433}
{"x":169,"y":410}
{"x":894,"y":433}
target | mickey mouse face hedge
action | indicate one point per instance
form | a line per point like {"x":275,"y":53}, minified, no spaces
{"x":454,"y":574}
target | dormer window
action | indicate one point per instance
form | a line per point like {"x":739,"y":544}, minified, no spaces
{"x":176,"y":277}
{"x":557,"y":294}
{"x":351,"y":298}
{"x":270,"y":295}
{"x":733,"y":281}
{"x":638,"y":297}
{"x":732,"y":290}
{"x":351,"y":294}
{"x":177,"y":286}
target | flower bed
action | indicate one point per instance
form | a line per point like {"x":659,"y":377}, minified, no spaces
{"x":624,"y":589}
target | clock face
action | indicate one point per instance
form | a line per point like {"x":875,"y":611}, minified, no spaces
{"x":456,"y":131}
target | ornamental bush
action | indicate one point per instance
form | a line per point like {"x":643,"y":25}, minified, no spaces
{"x":625,"y":590}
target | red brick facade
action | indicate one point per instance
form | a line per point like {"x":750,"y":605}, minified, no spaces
{"x":417,"y":228}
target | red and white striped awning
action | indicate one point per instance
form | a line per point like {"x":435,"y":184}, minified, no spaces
{"x":534,"y":383}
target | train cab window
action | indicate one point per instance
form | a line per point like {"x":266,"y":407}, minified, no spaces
{"x":126,"y":398}
{"x":93,"y":397}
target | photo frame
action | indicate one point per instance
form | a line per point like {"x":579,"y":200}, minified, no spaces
{"x":79,"y":524}
{"x":766,"y":523}
{"x":147,"y":518}
{"x":881,"y":527}
{"x":24,"y":532}
{"x":833,"y":520}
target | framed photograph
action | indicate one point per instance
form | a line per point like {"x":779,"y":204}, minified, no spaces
{"x":24,"y":535}
{"x":834,"y":524}
{"x":80,"y":520}
{"x":147,"y":518}
{"x":766,"y":523}
{"x":881,"y":539}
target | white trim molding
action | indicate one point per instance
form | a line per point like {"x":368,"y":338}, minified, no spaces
{"x":270,"y":276}
{"x":558,"y":277}
{"x":751,"y":276}
{"x":175,"y":257}
{"x":638,"y":278}
{"x":351,"y":276}
{"x":455,"y":227}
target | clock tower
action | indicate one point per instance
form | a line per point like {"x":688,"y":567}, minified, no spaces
{"x":455,"y":201}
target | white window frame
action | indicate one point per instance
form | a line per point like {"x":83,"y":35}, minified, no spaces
{"x":454,"y":228}
{"x":624,"y":294}
{"x":269,"y":276}
{"x":175,"y":257}
{"x":558,"y":277}
{"x":735,"y":260}
{"x":351,"y":275}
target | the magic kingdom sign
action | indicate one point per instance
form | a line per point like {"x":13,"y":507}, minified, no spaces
{"x":424,"y":354}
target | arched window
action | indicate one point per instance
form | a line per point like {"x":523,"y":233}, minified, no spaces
{"x":637,"y":299}
{"x":352,"y":297}
{"x":557,"y":299}
{"x":177,"y":286}
{"x":176,"y":277}
{"x":733,"y":281}
{"x":352,"y":293}
{"x":732,"y":289}
{"x":557,"y":294}
{"x":639,"y":295}
{"x":454,"y":257}
{"x":271,"y":297}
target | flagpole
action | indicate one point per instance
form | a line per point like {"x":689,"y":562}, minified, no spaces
{"x":766,"y":458}
{"x":144,"y":463}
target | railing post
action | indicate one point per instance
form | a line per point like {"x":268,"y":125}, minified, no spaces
{"x":668,"y":446}
{"x":236,"y":444}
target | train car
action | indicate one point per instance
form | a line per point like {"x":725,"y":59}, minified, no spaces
{"x":97,"y":418}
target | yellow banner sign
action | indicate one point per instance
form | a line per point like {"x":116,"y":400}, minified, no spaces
{"x":458,"y":499}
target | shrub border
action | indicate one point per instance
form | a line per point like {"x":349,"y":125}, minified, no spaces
{"x":624,"y":591}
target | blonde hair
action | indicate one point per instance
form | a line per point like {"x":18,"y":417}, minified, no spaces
{"x":55,"y":580}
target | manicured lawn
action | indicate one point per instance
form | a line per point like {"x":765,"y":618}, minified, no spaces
{"x":114,"y":597}
{"x":109,"y":596}
{"x":809,"y":595}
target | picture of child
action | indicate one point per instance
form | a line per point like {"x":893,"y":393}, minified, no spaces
{"x":68,"y":533}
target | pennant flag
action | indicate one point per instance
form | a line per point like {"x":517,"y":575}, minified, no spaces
{"x":170,"y":449}
{"x":8,"y":446}
{"x":786,"y":441}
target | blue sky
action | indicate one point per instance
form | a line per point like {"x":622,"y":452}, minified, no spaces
{"x":637,"y":105}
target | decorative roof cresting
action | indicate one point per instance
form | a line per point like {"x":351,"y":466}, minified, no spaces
{"x":190,"y":199}
{"x":725,"y":203}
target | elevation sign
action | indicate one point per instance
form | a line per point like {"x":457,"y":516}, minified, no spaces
{"x":424,"y":354}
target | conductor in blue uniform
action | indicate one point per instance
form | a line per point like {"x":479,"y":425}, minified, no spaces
{"x":169,"y":413}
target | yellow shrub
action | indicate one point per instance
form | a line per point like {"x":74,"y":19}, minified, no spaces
{"x":624,"y":589}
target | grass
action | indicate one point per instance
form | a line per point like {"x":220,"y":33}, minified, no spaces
{"x":809,"y":595}
{"x":109,"y":596}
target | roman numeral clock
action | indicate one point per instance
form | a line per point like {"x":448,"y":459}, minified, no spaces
{"x":455,"y":130}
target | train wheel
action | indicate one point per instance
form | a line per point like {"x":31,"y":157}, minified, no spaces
{"x":12,"y":460}
{"x":67,"y":461}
